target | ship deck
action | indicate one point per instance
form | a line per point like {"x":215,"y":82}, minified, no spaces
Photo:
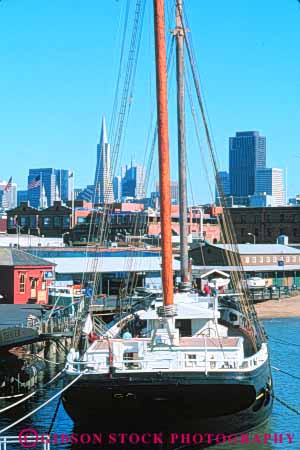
{"x":201,"y":342}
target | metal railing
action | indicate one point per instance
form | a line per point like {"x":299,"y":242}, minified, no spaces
{"x":25,"y":441}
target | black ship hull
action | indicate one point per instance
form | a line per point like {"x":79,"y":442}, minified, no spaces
{"x":227,"y":403}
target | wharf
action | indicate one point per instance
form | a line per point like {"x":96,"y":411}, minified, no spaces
{"x":109,"y":305}
{"x":27,"y":324}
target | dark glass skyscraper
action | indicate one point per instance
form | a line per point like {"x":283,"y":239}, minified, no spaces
{"x":133,"y":181}
{"x":222,"y":185}
{"x":63,"y":184}
{"x":247,"y":153}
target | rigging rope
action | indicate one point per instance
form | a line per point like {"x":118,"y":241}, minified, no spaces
{"x":231,"y":249}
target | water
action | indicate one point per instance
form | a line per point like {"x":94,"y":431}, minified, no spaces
{"x":282,"y":420}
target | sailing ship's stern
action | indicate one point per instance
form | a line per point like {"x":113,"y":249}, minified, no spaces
{"x":227,"y":403}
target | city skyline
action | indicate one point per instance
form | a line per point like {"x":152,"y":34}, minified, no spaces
{"x":239,"y":83}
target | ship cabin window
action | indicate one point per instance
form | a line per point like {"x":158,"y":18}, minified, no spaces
{"x":191,"y":360}
{"x":184,"y":326}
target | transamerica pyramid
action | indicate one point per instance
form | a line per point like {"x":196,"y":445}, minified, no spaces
{"x":103,"y":189}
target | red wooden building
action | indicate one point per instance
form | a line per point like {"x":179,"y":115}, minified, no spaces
{"x":24,"y":278}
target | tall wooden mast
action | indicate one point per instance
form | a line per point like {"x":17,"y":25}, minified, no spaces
{"x":163,"y":146}
{"x":179,"y":33}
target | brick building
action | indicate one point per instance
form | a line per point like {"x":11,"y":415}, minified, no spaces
{"x":266,"y":224}
{"x":24,"y":278}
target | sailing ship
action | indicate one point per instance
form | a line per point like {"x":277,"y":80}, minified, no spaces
{"x":176,"y":360}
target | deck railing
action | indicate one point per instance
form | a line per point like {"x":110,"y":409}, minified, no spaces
{"x":171,"y":363}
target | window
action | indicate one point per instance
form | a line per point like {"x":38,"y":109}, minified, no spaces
{"x":46,"y":221}
{"x":23,"y":221}
{"x":56,"y":220}
{"x":33,"y":283}
{"x":32,"y":221}
{"x":11,"y":222}
{"x":191,"y":360}
{"x":22,"y":283}
{"x":66,"y":221}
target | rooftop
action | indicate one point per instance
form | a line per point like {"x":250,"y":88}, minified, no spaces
{"x":113,"y":264}
{"x":260,"y":249}
{"x":14,"y":257}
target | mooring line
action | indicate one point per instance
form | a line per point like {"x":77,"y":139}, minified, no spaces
{"x":43,"y":405}
{"x":291,"y":408}
{"x":286,"y":373}
{"x":31,"y":394}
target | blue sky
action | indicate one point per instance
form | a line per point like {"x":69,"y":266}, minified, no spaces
{"x":58,"y":67}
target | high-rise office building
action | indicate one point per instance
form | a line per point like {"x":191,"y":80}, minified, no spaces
{"x":8,"y":194}
{"x":270,"y":181}
{"x":64,"y":184}
{"x":174,"y":190}
{"x":133,"y":181}
{"x":86,"y":194}
{"x":247,"y":153}
{"x":103,"y":190}
{"x":117,"y":188}
{"x":22,"y":196}
{"x":222,"y":185}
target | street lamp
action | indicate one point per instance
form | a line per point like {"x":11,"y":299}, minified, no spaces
{"x":254,"y":237}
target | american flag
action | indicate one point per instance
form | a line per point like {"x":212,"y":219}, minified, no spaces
{"x":8,"y":186}
{"x":35,"y":182}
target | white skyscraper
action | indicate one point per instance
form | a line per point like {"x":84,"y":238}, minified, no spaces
{"x":103,"y":189}
{"x":8,"y":195}
{"x":270,"y":181}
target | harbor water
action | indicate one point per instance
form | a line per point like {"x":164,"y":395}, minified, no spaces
{"x":285,"y":355}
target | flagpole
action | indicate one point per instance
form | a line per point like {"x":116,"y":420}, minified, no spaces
{"x":41,"y":190}
{"x":73,"y":201}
